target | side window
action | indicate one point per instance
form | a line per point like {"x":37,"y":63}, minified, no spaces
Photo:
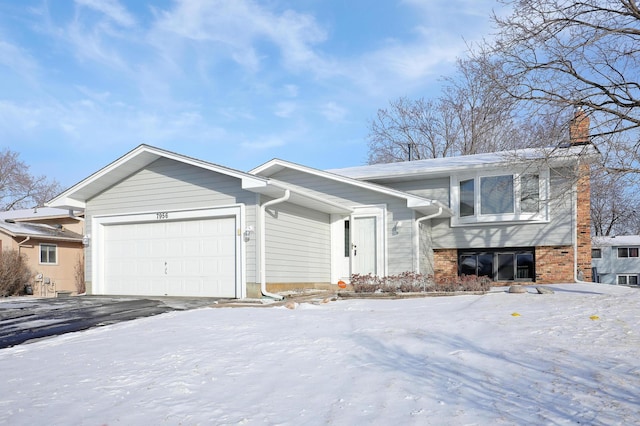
{"x":467,"y":198}
{"x":596,"y":253}
{"x":347,"y":239}
{"x":48,"y":253}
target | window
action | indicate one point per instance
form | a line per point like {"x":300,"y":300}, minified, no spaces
{"x":499,"y":265}
{"x":467,"y":199}
{"x":627,"y":251}
{"x":596,"y":253}
{"x":347,"y":239}
{"x":496,"y":194}
{"x":530,"y":193}
{"x":628,"y":279}
{"x":48,"y":253}
{"x":492,"y":198}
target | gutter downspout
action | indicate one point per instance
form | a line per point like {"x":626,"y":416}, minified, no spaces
{"x":21,"y":243}
{"x":431,"y":216}
{"x":263,"y":245}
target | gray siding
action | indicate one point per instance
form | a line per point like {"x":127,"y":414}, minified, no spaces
{"x":609,"y":266}
{"x":298,"y":245}
{"x":167,"y":185}
{"x":433,"y":189}
{"x":557,"y":232}
{"x":400,"y":257}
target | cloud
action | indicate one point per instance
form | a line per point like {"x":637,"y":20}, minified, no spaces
{"x":17,"y":59}
{"x":111,"y":9}
{"x":333,"y":112}
{"x":285,"y":109}
{"x":244,"y":30}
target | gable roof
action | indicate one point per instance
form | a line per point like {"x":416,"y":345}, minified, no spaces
{"x":131,"y":162}
{"x":447,"y":166}
{"x":38,"y":230}
{"x":143,"y":155}
{"x":415,"y":202}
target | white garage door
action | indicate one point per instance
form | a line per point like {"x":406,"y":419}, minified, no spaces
{"x":194,"y":257}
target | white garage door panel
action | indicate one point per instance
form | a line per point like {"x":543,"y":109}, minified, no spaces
{"x":184,"y":258}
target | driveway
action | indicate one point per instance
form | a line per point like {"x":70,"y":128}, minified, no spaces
{"x":23,"y":319}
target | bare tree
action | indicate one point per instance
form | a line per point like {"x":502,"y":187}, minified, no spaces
{"x":568,"y":54}
{"x":409,"y":130}
{"x":472,"y":115}
{"x":20,"y":189}
{"x":614,"y":203}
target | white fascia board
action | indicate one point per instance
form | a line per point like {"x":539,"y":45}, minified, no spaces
{"x":67,"y":203}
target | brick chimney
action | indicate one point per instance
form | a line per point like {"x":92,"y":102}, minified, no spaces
{"x":579,"y":128}
{"x":579,"y":135}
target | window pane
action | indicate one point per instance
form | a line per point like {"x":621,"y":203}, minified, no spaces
{"x":530,"y":197}
{"x":485,"y":265}
{"x":622,"y":279}
{"x":596,"y":253}
{"x":469,"y":264}
{"x":467,"y":198}
{"x":47,"y":253}
{"x":524,"y":266}
{"x":623,"y":252}
{"x":633,"y":251}
{"x":347,"y":239}
{"x":496,"y":194}
{"x":633,"y":280}
{"x":505,"y":267}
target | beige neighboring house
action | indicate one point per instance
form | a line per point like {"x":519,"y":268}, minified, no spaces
{"x":50,"y":239}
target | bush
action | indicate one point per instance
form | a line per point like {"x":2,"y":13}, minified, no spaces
{"x":405,"y":282}
{"x":14,"y":273}
{"x":411,"y":282}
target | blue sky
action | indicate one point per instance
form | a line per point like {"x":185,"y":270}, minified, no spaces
{"x":235,"y":82}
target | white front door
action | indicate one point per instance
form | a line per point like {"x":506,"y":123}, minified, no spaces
{"x":364,"y":246}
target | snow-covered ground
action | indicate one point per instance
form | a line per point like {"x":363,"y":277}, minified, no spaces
{"x":565,"y":358}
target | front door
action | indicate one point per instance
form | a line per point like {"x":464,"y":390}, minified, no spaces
{"x":364,"y":245}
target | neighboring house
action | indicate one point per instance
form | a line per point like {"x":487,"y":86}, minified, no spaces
{"x":160,"y":223}
{"x":50,"y":240}
{"x":615,"y":260}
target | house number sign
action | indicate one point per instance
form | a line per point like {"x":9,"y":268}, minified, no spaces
{"x":162,"y":215}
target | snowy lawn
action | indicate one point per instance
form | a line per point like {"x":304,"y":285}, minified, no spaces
{"x":566,"y":358}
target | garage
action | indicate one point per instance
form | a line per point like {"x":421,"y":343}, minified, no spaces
{"x":187,"y":256}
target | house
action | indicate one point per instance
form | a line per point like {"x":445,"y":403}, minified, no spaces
{"x":160,"y":223}
{"x":615,"y":259}
{"x":50,"y":240}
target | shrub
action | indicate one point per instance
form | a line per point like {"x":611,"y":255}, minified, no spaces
{"x":14,"y":273}
{"x":411,"y":282}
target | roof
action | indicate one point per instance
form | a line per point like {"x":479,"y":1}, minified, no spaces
{"x":136,"y":159}
{"x":421,"y":204}
{"x":38,"y":230}
{"x":615,"y":241}
{"x":448,"y":165}
{"x":143,"y":155}
{"x":37,"y":213}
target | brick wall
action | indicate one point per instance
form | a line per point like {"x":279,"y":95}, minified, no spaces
{"x":579,"y":135}
{"x":445,"y":264}
{"x":554,"y":264}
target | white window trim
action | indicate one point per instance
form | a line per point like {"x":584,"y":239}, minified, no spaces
{"x":542,"y":216}
{"x":627,"y":257}
{"x":40,"y":254}
{"x":627,"y":276}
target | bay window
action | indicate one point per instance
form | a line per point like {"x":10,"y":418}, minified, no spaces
{"x":500,"y":197}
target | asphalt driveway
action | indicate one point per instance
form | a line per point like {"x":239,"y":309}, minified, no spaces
{"x":25,"y":319}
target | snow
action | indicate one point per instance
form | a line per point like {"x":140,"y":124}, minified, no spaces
{"x":564,"y":358}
